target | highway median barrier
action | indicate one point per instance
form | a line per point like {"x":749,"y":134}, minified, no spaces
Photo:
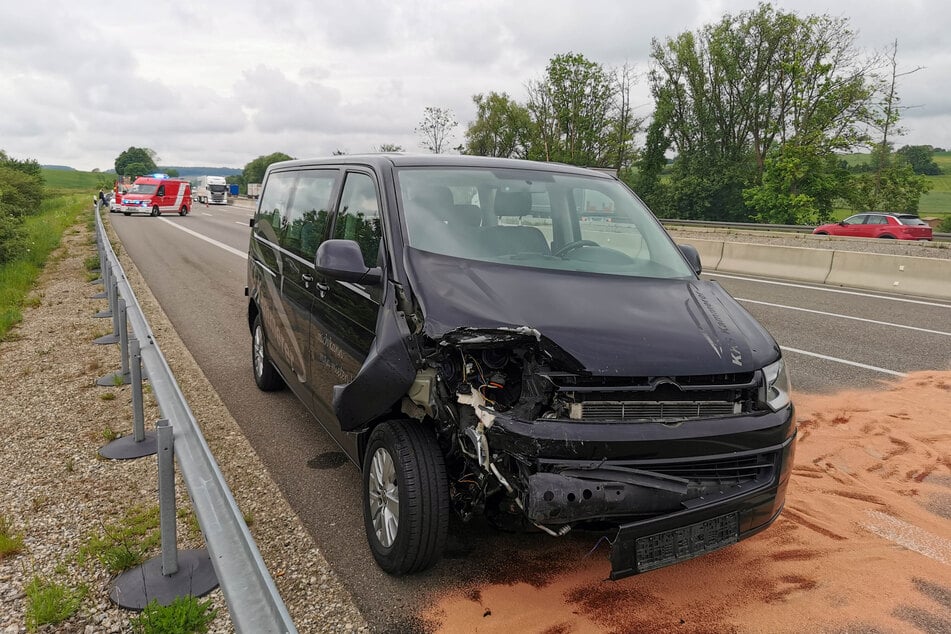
{"x":909,"y":275}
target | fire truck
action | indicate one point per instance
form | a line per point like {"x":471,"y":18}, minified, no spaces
{"x":157,"y":194}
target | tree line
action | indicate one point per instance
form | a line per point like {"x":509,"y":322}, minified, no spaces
{"x":753,"y":116}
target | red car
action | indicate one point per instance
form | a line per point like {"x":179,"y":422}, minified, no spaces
{"x":878,"y":225}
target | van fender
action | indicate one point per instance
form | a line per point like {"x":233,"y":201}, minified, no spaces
{"x":385,"y":376}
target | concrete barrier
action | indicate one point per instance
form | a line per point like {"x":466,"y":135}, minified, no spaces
{"x":710,"y":251}
{"x":930,"y":277}
{"x":909,"y":275}
{"x":795,"y":263}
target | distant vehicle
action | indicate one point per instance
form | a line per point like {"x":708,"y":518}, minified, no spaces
{"x":254,"y":190}
{"x":212,"y":190}
{"x":156,"y":196}
{"x":115,"y":204}
{"x":879,"y":225}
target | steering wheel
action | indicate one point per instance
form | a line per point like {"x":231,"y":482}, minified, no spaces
{"x":577,"y":244}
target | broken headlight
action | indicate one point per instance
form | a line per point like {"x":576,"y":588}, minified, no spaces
{"x":776,"y":392}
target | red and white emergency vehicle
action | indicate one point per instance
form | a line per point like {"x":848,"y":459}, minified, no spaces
{"x":157,"y":194}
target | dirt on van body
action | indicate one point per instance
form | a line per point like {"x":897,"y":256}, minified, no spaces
{"x":863,"y":544}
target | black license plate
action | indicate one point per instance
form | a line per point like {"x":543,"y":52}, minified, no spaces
{"x":679,"y":544}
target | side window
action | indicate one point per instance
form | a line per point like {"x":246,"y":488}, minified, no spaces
{"x":309,"y":212}
{"x":359,"y":216}
{"x":161,"y":191}
{"x":272,"y":214}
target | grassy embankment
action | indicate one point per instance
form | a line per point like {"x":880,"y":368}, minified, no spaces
{"x":935,"y":203}
{"x":68,"y":198}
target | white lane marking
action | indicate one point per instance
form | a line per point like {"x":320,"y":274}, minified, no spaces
{"x":909,"y":536}
{"x":205,"y":213}
{"x":239,"y":223}
{"x":856,"y":364}
{"x":828,"y":290}
{"x":868,"y":321}
{"x":222,"y":245}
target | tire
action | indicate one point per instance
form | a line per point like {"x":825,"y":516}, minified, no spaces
{"x":156,"y":211}
{"x":183,"y":210}
{"x":126,"y":213}
{"x":265,"y":376}
{"x":821,"y":233}
{"x":405,"y":497}
{"x":887,"y":237}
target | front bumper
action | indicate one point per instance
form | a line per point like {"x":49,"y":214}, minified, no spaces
{"x":675,"y":491}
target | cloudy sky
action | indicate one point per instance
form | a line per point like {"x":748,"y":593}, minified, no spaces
{"x":224,"y":83}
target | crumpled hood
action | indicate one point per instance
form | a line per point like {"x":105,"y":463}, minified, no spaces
{"x":612,"y":325}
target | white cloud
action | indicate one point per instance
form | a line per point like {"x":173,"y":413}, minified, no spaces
{"x":229,"y":81}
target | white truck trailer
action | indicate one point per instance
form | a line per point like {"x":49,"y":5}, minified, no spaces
{"x":212,"y":190}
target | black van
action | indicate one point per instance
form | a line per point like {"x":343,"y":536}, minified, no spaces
{"x":521,"y":340}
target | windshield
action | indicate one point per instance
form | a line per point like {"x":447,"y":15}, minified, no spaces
{"x":142,"y":188}
{"x":538,"y":219}
{"x":216,"y":188}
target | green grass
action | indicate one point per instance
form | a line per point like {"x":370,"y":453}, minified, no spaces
{"x":125,"y":544}
{"x":10,"y":543}
{"x":44,"y":231}
{"x":69,"y":179}
{"x":50,"y":602}
{"x":185,"y":615}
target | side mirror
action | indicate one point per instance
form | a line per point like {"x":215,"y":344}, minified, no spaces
{"x":343,"y":260}
{"x":692,"y":256}
{"x":251,"y":222}
{"x":841,"y":223}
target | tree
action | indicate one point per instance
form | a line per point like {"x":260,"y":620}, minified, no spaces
{"x":891,"y":184}
{"x":134,"y":170}
{"x":27,"y":166}
{"x":172,"y":172}
{"x":573,"y":108}
{"x":436,"y":128}
{"x":503,"y":127}
{"x":921,"y":159}
{"x":254,"y":171}
{"x":390,"y":147}
{"x":742,"y":88}
{"x":143,"y":159}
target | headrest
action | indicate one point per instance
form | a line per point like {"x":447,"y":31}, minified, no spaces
{"x":513,"y":203}
{"x":469,"y":215}
{"x":437,"y":199}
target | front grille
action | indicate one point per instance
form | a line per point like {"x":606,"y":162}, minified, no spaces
{"x":748,"y":467}
{"x":651,"y":411}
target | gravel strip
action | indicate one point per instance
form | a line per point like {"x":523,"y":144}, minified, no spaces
{"x":57,"y":492}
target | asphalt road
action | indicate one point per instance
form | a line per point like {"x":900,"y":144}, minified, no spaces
{"x":196,"y":268}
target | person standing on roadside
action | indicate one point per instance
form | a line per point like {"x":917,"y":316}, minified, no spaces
{"x":102,"y":197}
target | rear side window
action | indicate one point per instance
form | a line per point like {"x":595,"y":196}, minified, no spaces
{"x":272,"y":213}
{"x":308,"y":212}
{"x":912,"y":221}
{"x":359,"y":216}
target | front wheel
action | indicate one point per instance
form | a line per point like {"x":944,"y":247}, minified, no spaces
{"x":156,"y":211}
{"x":405,"y":497}
{"x":265,"y":376}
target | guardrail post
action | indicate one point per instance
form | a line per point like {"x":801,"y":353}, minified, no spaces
{"x":122,"y":377}
{"x":141,"y":443}
{"x":104,"y":271}
{"x":110,"y":311}
{"x":173,"y":574}
{"x":113,"y":288}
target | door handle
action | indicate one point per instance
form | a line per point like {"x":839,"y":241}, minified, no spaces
{"x":307,"y":279}
{"x":323,"y":288}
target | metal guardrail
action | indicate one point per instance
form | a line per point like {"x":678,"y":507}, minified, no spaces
{"x":252,"y":597}
{"x":941,"y":237}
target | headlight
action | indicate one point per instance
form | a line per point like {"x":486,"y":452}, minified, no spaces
{"x":777,"y":389}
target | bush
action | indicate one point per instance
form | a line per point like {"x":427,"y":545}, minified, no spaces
{"x":185,"y":615}
{"x":12,"y":238}
{"x":20,"y":193}
{"x":945,"y":225}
